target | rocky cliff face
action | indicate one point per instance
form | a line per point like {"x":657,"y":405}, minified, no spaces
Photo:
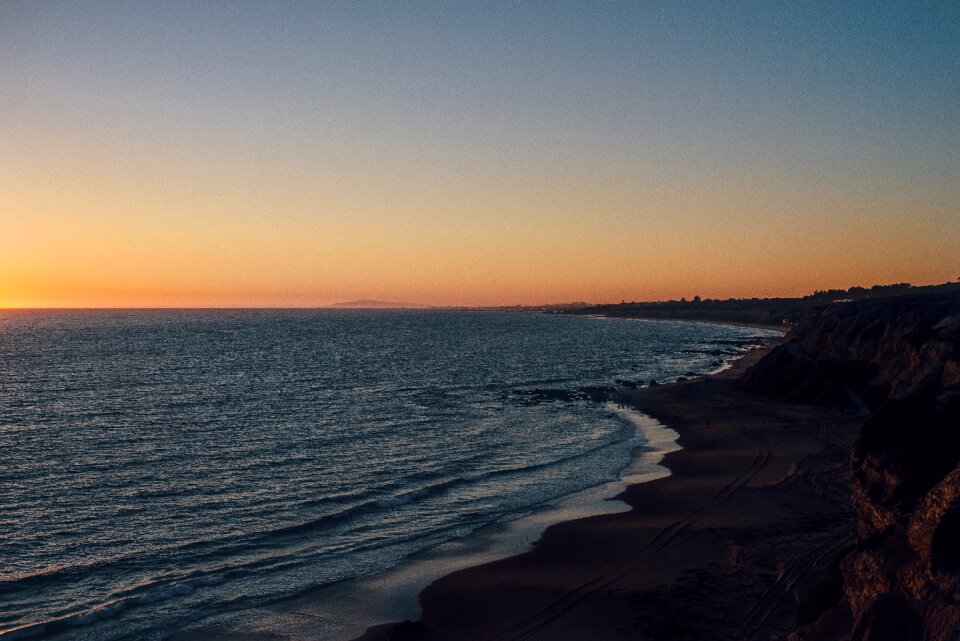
{"x":897,"y":361}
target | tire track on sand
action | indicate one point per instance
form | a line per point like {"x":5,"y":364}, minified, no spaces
{"x":549,"y":613}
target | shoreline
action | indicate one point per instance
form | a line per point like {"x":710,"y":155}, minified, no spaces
{"x":741,"y":499}
{"x":397,"y":591}
{"x":345,"y":611}
{"x":783,"y":329}
{"x":709,"y":321}
{"x":358,"y":608}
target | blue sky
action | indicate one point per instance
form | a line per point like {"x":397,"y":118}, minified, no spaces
{"x":822,"y":118}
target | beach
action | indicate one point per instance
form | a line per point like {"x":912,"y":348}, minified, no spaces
{"x":283,"y":495}
{"x":814,"y":494}
{"x":727,"y":547}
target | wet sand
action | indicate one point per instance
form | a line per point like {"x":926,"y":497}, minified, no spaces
{"x":754,"y":512}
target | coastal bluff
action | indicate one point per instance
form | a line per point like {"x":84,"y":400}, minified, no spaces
{"x":815,"y":496}
{"x":896,"y":362}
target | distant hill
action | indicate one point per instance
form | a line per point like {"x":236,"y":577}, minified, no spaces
{"x":375,"y":304}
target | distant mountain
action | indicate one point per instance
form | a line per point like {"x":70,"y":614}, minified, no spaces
{"x":375,"y":304}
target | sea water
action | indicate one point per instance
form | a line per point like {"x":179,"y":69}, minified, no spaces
{"x":164,"y":467}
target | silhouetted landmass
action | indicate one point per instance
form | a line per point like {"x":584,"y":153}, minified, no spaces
{"x":758,"y":311}
{"x":549,"y":307}
{"x":381,"y":304}
{"x":375,"y":304}
{"x":897,"y":361}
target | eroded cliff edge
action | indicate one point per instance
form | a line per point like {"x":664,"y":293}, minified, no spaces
{"x":897,"y":362}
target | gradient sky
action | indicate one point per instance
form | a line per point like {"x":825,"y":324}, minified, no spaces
{"x":298,"y":154}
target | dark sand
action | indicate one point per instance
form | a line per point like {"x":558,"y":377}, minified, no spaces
{"x":756,"y":509}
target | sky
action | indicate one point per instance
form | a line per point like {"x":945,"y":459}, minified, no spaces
{"x":224,"y":154}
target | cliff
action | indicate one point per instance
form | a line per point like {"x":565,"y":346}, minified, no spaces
{"x":897,"y":362}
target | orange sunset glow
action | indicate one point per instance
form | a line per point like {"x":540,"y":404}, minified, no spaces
{"x":176,"y":167}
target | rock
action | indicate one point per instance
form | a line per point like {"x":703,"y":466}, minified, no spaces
{"x":890,"y":618}
{"x":539,"y":395}
{"x":951,"y":374}
{"x":597,"y":394}
{"x":897,"y":360}
{"x":885,"y":349}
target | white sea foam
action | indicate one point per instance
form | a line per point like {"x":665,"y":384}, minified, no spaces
{"x":658,"y":441}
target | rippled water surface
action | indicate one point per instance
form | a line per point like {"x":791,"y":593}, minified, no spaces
{"x":160,"y":466}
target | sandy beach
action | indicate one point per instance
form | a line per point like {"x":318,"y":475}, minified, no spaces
{"x":756,"y":508}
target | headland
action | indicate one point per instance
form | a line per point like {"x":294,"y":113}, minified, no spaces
{"x":816,"y":496}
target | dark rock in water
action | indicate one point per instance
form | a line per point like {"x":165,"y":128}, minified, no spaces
{"x":597,"y":394}
{"x":714,"y":352}
{"x":626,"y":383}
{"x":653,"y":382}
{"x":539,"y":395}
{"x":896,"y":360}
{"x":691,"y":374}
{"x":740,"y":342}
{"x":682,"y":379}
{"x":553,"y":394}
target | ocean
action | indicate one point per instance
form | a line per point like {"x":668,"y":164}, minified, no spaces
{"x":163,"y":470}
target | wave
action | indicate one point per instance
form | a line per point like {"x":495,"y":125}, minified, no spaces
{"x":165,"y":587}
{"x":153,"y":594}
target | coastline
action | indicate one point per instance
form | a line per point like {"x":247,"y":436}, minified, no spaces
{"x":358,"y":608}
{"x":756,"y":504}
{"x":345,"y":611}
{"x":726,"y":323}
